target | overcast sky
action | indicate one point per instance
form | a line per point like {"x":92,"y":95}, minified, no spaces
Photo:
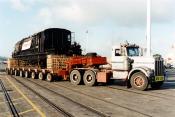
{"x":108,"y":22}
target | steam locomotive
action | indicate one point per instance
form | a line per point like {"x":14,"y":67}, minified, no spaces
{"x":34,"y":49}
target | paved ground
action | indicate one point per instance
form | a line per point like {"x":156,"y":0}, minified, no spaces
{"x":112,"y":100}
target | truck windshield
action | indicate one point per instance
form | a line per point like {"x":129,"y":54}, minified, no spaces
{"x":133,"y":51}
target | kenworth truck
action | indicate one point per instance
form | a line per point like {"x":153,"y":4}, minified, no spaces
{"x":139,"y":71}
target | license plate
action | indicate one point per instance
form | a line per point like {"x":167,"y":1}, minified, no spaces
{"x":159,"y":78}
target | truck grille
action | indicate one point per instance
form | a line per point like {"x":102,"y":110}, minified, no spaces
{"x":159,"y":67}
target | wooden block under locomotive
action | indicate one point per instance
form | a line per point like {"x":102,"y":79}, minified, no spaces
{"x":53,"y":41}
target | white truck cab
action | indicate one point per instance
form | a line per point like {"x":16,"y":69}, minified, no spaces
{"x":128,"y":63}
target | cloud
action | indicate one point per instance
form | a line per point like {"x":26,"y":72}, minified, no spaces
{"x":46,"y":15}
{"x":94,"y":12}
{"x":22,"y":5}
{"x":61,"y":11}
{"x":162,"y":11}
{"x":18,"y":5}
{"x":125,"y":13}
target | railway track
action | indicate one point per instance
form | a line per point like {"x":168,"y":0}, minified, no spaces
{"x":55,"y":106}
{"x":138,"y":92}
{"x":93,"y":97}
{"x":9,"y":102}
{"x":149,"y":93}
{"x":153,"y":94}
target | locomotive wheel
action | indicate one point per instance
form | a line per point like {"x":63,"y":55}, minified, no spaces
{"x":75,"y":77}
{"x":139,"y":81}
{"x":16,"y":73}
{"x":21,"y":73}
{"x":33,"y":75}
{"x":89,"y":78}
{"x":26,"y":74}
{"x":156,"y":85}
{"x":41,"y":76}
{"x":49,"y":77}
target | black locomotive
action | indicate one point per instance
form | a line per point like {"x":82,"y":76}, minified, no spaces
{"x":34,"y":49}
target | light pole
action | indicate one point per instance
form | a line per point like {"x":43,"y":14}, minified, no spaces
{"x":148,"y":28}
{"x":86,"y":42}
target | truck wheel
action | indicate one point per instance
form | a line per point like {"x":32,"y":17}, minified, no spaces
{"x":41,"y":76}
{"x":21,"y":73}
{"x":49,"y":77}
{"x":16,"y":72}
{"x":75,"y":77}
{"x":26,"y":74}
{"x":33,"y":75}
{"x":89,"y":78}
{"x":139,"y":81}
{"x":156,"y":85}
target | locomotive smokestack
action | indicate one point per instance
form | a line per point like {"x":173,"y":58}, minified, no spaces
{"x":148,"y":28}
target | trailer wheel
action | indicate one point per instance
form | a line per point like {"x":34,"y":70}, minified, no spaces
{"x":89,"y":78}
{"x":11,"y":72}
{"x":27,"y":74}
{"x":21,"y":73}
{"x":33,"y":75}
{"x":16,"y":73}
{"x":41,"y":76}
{"x":7,"y":71}
{"x":75,"y":77}
{"x":156,"y":85}
{"x":49,"y":77}
{"x":139,"y":81}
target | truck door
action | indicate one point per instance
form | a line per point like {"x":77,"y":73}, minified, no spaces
{"x":119,"y":64}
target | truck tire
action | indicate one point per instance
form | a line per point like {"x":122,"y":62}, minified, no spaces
{"x":156,"y":85}
{"x":89,"y":78}
{"x":33,"y":75}
{"x":41,"y":76}
{"x":139,"y":81}
{"x":21,"y":73}
{"x":75,"y":77}
{"x":27,"y":74}
{"x":49,"y":77}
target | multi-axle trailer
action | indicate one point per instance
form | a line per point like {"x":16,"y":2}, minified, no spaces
{"x":79,"y":69}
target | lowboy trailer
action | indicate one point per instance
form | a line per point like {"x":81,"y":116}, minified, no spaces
{"x":77,"y":69}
